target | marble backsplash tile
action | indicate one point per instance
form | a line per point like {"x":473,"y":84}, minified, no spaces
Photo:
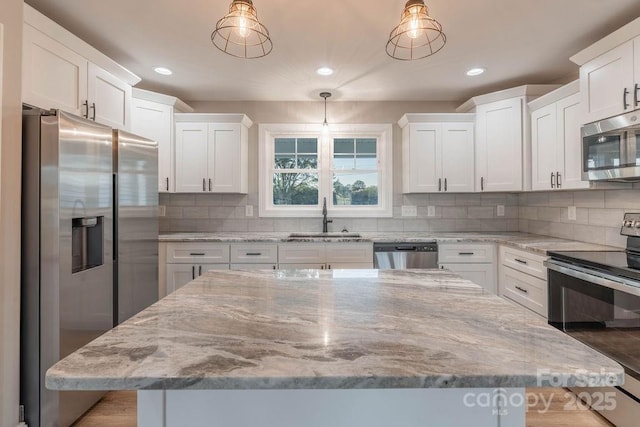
{"x":453,"y":212}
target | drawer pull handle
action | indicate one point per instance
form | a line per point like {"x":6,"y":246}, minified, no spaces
{"x":625,"y":104}
{"x":193,"y":272}
{"x":466,"y":253}
{"x":274,"y":267}
{"x":199,"y":270}
{"x":522,"y":289}
{"x":254,"y":253}
{"x":520,"y":261}
{"x":196,"y":254}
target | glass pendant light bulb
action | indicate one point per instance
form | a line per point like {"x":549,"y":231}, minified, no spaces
{"x":414,"y":30}
{"x":243,"y":31}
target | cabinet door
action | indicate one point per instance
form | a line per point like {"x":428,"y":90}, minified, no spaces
{"x":499,"y":146}
{"x":154,"y":121}
{"x":353,"y":253}
{"x":225,"y":162}
{"x":191,"y":158}
{"x":301,"y":253}
{"x":458,"y":157}
{"x":544,"y":141}
{"x":109,"y":98}
{"x":636,"y":70}
{"x":480,"y":274}
{"x":350,"y":266}
{"x":179,"y":275}
{"x":424,"y":158}
{"x":603,"y":82}
{"x":53,"y":76}
{"x":570,"y":143}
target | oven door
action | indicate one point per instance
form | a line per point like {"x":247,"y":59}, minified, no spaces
{"x":611,"y":148}
{"x":602,"y":312}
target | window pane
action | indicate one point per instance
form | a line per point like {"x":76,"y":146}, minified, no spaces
{"x":307,"y":162}
{"x":366,"y":161}
{"x":285,"y":161}
{"x":308,"y":145}
{"x":343,"y":145}
{"x":366,"y":145}
{"x":355,"y":189}
{"x":295,"y":189}
{"x":285,"y":145}
{"x":343,"y":162}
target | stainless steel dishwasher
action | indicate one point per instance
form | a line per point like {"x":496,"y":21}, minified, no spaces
{"x":402,"y":256}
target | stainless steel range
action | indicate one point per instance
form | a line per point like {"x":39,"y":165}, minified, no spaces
{"x":594,"y":296}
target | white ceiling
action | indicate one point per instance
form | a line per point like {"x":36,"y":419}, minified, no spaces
{"x":518,"y":41}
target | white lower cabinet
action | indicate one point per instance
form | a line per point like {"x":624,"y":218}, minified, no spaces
{"x":325,"y":255}
{"x":185,"y":261}
{"x":472,"y":261}
{"x":254,"y":256}
{"x":523,"y":279}
{"x":179,"y":275}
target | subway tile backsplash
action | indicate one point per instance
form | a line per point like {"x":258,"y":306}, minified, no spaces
{"x":598,"y":214}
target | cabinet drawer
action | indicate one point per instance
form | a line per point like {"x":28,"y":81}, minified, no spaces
{"x":301,"y":253}
{"x":524,"y":261}
{"x":466,"y":253}
{"x":349,"y":253}
{"x":254,"y":253}
{"x":526,"y":290}
{"x":254,"y":266}
{"x":197,"y":253}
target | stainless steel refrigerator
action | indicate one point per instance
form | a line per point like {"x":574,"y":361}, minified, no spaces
{"x":136,"y":226}
{"x":70,"y":246}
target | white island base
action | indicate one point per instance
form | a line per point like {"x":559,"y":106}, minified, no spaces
{"x":451,"y":407}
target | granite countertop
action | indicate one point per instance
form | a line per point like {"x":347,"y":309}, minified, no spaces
{"x":531,"y":242}
{"x":340,"y":329}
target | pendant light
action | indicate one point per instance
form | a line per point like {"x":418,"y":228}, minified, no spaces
{"x":240,"y":34}
{"x":417,"y":36}
{"x":325,"y":124}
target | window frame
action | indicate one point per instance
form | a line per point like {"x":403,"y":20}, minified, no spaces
{"x":384,"y":154}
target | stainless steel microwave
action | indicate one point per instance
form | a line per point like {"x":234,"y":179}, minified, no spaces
{"x":611,"y":149}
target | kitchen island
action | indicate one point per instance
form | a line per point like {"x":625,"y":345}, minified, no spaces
{"x":339,"y":348}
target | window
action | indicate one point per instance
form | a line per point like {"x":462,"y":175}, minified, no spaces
{"x":350,"y":167}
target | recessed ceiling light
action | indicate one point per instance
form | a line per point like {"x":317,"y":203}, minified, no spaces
{"x":324,"y":71}
{"x":163,"y":70}
{"x":475,"y":71}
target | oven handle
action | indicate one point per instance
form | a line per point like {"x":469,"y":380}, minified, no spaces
{"x":591,"y":276}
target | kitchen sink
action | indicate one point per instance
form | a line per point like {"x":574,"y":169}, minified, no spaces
{"x":324,"y":235}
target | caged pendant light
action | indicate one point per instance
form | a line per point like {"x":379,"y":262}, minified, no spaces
{"x":417,"y":36}
{"x":325,"y":124}
{"x":240,"y":34}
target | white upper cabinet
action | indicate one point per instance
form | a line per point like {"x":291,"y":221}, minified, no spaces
{"x":211,"y":153}
{"x":61,"y":71}
{"x":53,"y":76}
{"x":437,"y":153}
{"x":499,"y":145}
{"x":503,"y":137}
{"x":607,"y":83}
{"x":108,"y":99}
{"x":610,"y":74}
{"x":152,"y":117}
{"x":555,"y":140}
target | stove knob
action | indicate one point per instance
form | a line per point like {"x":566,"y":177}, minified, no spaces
{"x":636,"y":224}
{"x":627,"y":223}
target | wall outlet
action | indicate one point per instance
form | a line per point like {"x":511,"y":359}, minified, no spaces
{"x":431,"y":211}
{"x":248,"y":210}
{"x":162,"y":210}
{"x":409,"y":211}
{"x":573,"y":215}
{"x":500,"y":210}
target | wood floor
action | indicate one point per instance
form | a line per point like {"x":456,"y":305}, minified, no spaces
{"x":118,"y":409}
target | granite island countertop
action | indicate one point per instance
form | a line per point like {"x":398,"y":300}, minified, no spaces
{"x":339,"y":329}
{"x":531,"y":242}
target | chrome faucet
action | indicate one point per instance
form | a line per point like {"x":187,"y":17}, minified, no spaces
{"x":325,"y":221}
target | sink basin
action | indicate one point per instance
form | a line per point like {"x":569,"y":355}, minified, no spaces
{"x":324,"y":235}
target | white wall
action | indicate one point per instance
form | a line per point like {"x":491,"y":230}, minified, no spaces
{"x":10,"y":155}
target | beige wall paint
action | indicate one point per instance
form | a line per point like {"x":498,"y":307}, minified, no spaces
{"x":10,"y":155}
